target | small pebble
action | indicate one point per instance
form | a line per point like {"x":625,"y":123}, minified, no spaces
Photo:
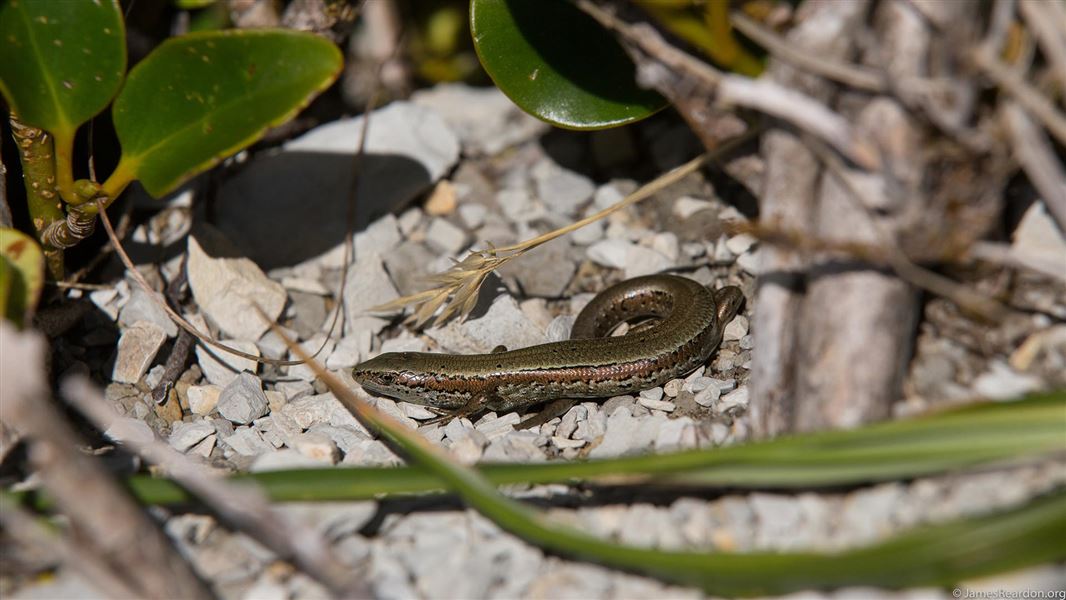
{"x":708,"y":395}
{"x":186,"y":435}
{"x":444,"y":237}
{"x":662,"y":405}
{"x":472,"y":214}
{"x":673,"y":387}
{"x":416,"y":411}
{"x":737,"y":399}
{"x":740,"y":243}
{"x":243,"y":400}
{"x":442,"y":199}
{"x":136,"y":350}
{"x":203,"y":398}
{"x":563,"y":443}
{"x":317,"y":446}
{"x":735,"y":329}
{"x":686,"y":206}
{"x":224,"y":369}
{"x":247,"y":441}
{"x":655,"y":393}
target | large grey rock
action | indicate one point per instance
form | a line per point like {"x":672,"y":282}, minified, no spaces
{"x":289,"y":207}
{"x":136,"y":350}
{"x":228,"y":289}
{"x":408,"y":264}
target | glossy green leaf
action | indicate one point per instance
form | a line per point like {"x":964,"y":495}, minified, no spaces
{"x":199,"y":98}
{"x":558,"y":64}
{"x":62,"y":61}
{"x":21,"y":275}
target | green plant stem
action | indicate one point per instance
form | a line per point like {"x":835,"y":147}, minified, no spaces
{"x":37,"y":154}
{"x":116,"y":183}
{"x":64,"y":167}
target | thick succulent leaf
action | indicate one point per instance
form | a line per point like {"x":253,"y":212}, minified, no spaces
{"x":21,"y":275}
{"x":199,"y":98}
{"x":62,"y":61}
{"x":557,"y":64}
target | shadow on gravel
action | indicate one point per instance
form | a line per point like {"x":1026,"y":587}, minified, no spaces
{"x":286,"y":208}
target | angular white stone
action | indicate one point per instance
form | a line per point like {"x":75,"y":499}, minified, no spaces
{"x":136,"y":350}
{"x":228,"y":290}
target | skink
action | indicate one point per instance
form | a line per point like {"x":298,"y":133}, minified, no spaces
{"x":588,"y":365}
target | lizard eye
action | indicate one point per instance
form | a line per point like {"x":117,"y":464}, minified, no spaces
{"x":385,"y":377}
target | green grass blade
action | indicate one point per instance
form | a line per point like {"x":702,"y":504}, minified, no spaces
{"x":932,"y":555}
{"x":977,"y":435}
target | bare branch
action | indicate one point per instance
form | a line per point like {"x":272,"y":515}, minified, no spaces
{"x":1029,"y":97}
{"x":1003,"y":254}
{"x":856,"y":76}
{"x":24,"y":528}
{"x":797,"y":108}
{"x":1037,"y":157}
{"x":899,"y":262}
{"x":127,"y":540}
{"x":1050,"y":31}
{"x":242,"y":507}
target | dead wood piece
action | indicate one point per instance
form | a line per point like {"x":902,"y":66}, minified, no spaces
{"x":101,"y":511}
{"x":242,"y":507}
{"x":852,"y":356}
{"x":1037,"y":157}
{"x":788,"y":201}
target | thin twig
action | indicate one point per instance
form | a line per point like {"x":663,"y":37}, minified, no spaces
{"x":898,"y":261}
{"x":1041,"y":19}
{"x":1000,"y":20}
{"x":1029,"y":97}
{"x":1037,"y":157}
{"x":162,"y":303}
{"x":856,"y":76}
{"x":1003,"y":254}
{"x":244,"y":508}
{"x":797,"y":108}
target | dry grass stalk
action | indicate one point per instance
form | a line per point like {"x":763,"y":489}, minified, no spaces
{"x":456,"y":289}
